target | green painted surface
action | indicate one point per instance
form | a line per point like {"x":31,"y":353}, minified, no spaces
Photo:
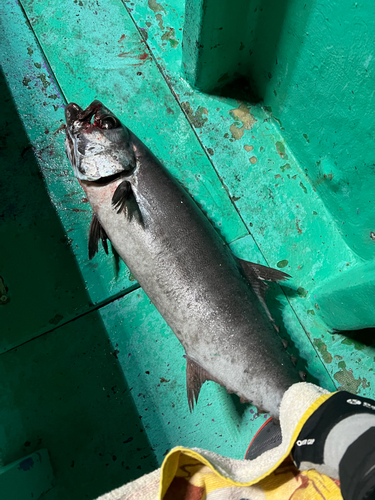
{"x":356,"y":288}
{"x":27,"y":478}
{"x":212,"y":49}
{"x":65,"y":391}
{"x":318,"y":79}
{"x":43,"y":255}
{"x":105,"y":393}
{"x":314,"y":72}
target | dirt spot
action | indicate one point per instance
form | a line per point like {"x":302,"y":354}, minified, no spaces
{"x":241,"y":115}
{"x":156,"y":7}
{"x":285,"y":167}
{"x":282,"y":263}
{"x":26,"y":81}
{"x":357,"y":345}
{"x":346,"y":379}
{"x":302,"y":292}
{"x":159,"y":18}
{"x":322,"y":348}
{"x":197,"y":118}
{"x":253,"y":160}
{"x":248,"y":148}
{"x":56,"y":319}
{"x":170,"y":36}
{"x":280,"y":146}
{"x":43,"y":79}
{"x":236,"y":132}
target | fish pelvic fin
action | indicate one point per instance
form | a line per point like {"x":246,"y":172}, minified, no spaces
{"x":257,"y":275}
{"x":196,"y":376}
{"x":123,"y":200}
{"x":96,"y":233}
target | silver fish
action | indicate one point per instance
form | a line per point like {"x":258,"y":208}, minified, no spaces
{"x":213,"y":302}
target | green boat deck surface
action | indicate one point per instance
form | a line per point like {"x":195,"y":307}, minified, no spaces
{"x":283,"y":166}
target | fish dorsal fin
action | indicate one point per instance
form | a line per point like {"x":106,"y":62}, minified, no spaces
{"x":263,"y":273}
{"x":123,"y":200}
{"x":196,"y":376}
{"x":96,"y":233}
{"x":257,"y":275}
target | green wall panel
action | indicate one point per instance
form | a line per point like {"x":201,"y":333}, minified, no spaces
{"x":320,"y":90}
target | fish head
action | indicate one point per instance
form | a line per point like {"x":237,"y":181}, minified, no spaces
{"x":97,"y":144}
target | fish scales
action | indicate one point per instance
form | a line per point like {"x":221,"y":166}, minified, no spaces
{"x":183,"y":265}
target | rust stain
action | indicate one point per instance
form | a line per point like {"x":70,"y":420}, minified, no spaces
{"x":297,"y":225}
{"x":122,"y":38}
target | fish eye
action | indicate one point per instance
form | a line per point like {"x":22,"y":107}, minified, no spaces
{"x":109,"y":122}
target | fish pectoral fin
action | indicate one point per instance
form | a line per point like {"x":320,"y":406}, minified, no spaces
{"x":196,"y":376}
{"x":96,"y":233}
{"x":123,"y":200}
{"x":257,"y":274}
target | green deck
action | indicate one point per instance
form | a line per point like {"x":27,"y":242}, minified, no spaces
{"x":89,"y":369}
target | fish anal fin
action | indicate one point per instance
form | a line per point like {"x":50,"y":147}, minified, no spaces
{"x":96,"y":233}
{"x":196,"y":376}
{"x":123,"y":200}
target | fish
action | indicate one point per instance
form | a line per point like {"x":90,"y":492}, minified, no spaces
{"x":213,"y":301}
